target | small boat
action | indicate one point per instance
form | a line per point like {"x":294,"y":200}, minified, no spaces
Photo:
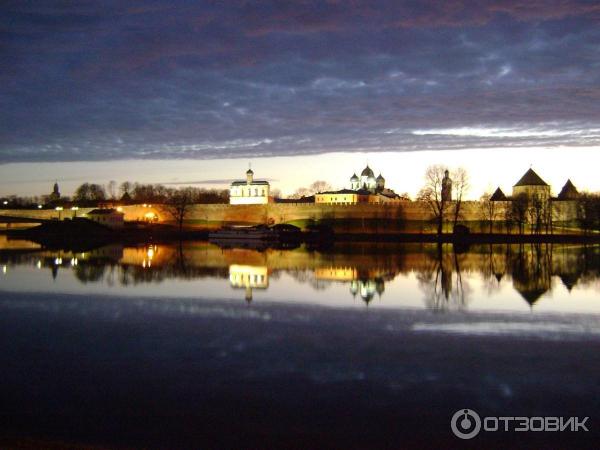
{"x":262,"y":233}
{"x":259,"y":232}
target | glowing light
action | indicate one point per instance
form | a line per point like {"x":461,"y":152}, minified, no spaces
{"x":144,"y":263}
{"x":4,"y":269}
{"x":5,"y":202}
{"x":149,"y":215}
{"x":39,"y":264}
{"x":75,"y":208}
{"x":119,"y":208}
{"x":73,"y":261}
{"x":59,"y":208}
{"x":58,"y":261}
{"x":39,"y":206}
{"x":150,"y":253}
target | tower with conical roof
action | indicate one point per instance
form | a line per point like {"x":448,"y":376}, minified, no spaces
{"x":446,"y":187}
{"x":55,"y":195}
{"x":568,"y":192}
{"x":532,"y":186}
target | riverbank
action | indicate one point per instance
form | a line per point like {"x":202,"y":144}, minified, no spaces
{"x":82,"y":234}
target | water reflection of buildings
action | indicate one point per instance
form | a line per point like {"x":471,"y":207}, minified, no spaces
{"x":363,"y":282}
{"x":532,"y":270}
{"x":248,"y":278}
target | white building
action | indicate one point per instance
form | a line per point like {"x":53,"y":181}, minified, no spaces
{"x":108,"y":217}
{"x":249,"y":192}
{"x":366,"y":189}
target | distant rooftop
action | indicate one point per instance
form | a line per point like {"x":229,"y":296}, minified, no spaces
{"x":568,"y":192}
{"x":498,"y":196}
{"x":531,"y":179}
{"x":244,"y":182}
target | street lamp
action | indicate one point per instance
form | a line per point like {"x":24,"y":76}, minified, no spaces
{"x":59,"y":209}
{"x":75,"y":209}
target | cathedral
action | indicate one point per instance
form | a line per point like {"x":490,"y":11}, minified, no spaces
{"x":367,"y":181}
{"x":364,"y":189}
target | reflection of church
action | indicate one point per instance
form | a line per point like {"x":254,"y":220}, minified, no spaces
{"x":248,"y":278}
{"x":365,"y":283}
{"x":367,"y":288}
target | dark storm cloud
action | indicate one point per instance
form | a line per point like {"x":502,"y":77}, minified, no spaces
{"x":188,"y":79}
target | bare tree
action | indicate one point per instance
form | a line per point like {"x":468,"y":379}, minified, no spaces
{"x":89,"y":193}
{"x":301,"y":192}
{"x":125,"y":190}
{"x":519,"y":209}
{"x":460,"y":186}
{"x":112,"y":189}
{"x":431,"y":194}
{"x":178,"y":204}
{"x":537,"y":213}
{"x":588,"y":211}
{"x":319,"y":186}
{"x":488,"y":210}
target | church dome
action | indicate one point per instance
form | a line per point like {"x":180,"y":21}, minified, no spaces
{"x":249,"y":172}
{"x":380,"y":178}
{"x":367,"y":172}
{"x":354,"y":178}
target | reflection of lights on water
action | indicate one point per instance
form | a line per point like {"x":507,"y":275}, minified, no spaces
{"x":73,"y":261}
{"x":83,"y":256}
{"x":58,"y":261}
{"x":144,"y":263}
{"x":150,"y":253}
{"x":39,"y":264}
{"x":4,"y":269}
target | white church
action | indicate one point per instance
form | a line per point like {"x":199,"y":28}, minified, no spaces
{"x":249,"y":191}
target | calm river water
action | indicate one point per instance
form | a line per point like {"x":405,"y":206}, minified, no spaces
{"x":352,"y":346}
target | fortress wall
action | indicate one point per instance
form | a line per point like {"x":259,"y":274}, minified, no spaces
{"x":44,"y":214}
{"x":409,"y":216}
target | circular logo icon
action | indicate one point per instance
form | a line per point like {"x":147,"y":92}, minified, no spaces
{"x":465,"y":424}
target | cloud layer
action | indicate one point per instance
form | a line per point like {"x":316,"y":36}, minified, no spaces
{"x":189,"y":79}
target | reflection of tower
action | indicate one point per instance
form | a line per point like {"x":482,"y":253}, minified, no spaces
{"x":248,"y":278}
{"x":531,"y":273}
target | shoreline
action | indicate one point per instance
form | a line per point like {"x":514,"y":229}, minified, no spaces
{"x":170,"y":235}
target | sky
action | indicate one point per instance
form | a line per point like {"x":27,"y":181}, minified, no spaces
{"x":190,"y":91}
